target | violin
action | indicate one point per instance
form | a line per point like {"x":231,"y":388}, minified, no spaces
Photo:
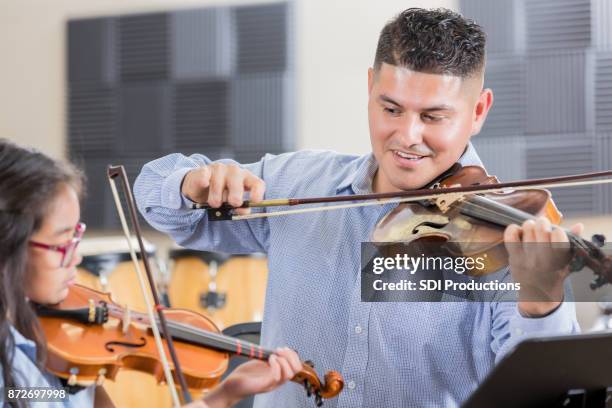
{"x":90,"y":338}
{"x":473,"y":224}
{"x":465,"y":209}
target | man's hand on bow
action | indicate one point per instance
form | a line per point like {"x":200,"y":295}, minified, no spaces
{"x":217,"y":183}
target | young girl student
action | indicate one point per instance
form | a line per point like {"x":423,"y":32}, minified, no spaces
{"x":40,"y":229}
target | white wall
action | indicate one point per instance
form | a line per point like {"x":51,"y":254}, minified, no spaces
{"x":335,"y":46}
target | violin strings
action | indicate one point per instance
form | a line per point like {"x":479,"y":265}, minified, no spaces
{"x":226,"y":343}
{"x":490,"y":207}
{"x":197,"y":335}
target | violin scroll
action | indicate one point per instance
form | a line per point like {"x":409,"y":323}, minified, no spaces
{"x":330,"y":388}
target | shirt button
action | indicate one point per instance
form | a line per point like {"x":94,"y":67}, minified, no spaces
{"x":358,"y":329}
{"x":351,"y":385}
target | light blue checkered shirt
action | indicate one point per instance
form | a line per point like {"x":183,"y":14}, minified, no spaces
{"x":390,"y":354}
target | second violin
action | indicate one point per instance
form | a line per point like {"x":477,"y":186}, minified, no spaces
{"x":90,"y":338}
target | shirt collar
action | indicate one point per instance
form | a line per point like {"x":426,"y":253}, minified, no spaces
{"x":26,"y":345}
{"x":361,"y":179}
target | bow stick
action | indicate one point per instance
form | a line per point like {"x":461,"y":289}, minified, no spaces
{"x":225,"y":211}
{"x":119,"y":171}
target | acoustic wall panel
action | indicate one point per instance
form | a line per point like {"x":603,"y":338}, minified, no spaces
{"x":262,"y":105}
{"x":99,"y":209}
{"x":92,"y":118}
{"x":603,"y":148}
{"x":601,"y":22}
{"x":144,"y":47}
{"x":92,"y":53}
{"x":503,"y":21}
{"x":201,"y":116}
{"x":217,"y":81}
{"x":262,"y":38}
{"x":145,"y":120}
{"x":203,"y":43}
{"x":557,"y":92}
{"x":558,"y":155}
{"x":503,"y":157}
{"x":506,"y":77}
{"x":603,"y":92}
{"x":558,"y":24}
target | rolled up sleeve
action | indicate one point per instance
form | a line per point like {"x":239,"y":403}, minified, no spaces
{"x":157,"y":191}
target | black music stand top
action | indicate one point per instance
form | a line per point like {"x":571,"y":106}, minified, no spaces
{"x":539,"y":372}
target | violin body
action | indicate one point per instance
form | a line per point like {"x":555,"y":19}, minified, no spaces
{"x":90,"y":338}
{"x":84,"y":352}
{"x":446,"y":225}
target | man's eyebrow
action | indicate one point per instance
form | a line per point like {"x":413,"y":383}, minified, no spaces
{"x":439,"y":108}
{"x":435,"y":108}
{"x":385,"y":98}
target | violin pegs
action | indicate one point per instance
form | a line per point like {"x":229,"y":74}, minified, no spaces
{"x":318,"y":400}
{"x":101,"y":377}
{"x":72,"y":380}
{"x":308,"y":388}
{"x":597,"y":282}
{"x":598,"y":239}
{"x":309,"y":363}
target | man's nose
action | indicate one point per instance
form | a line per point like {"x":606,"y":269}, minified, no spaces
{"x":411,"y":130}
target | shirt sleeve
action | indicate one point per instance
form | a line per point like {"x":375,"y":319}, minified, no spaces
{"x":509,"y":327}
{"x":157,"y":191}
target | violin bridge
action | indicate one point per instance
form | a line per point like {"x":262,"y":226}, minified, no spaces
{"x":445,"y":202}
{"x":127,"y":319}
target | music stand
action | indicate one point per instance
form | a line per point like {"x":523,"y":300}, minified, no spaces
{"x":560,"y":371}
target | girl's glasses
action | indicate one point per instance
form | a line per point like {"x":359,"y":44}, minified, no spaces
{"x":67,"y":250}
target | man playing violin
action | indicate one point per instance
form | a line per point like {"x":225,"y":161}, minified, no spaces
{"x":426,"y":100}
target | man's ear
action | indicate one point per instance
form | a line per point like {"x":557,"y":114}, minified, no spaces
{"x":370,"y":80}
{"x":484,"y":103}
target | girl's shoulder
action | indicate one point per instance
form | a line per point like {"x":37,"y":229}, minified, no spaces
{"x":27,"y":374}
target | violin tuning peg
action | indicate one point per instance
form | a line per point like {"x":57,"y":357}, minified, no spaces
{"x":309,"y":363}
{"x":598,"y":239}
{"x":101,"y":377}
{"x":72,"y":380}
{"x":308,"y":388}
{"x":597,"y":282}
{"x":318,"y":400}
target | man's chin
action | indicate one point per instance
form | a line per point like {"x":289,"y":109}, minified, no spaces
{"x":407,"y":181}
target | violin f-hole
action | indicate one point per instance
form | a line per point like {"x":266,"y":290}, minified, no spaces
{"x":108,"y":346}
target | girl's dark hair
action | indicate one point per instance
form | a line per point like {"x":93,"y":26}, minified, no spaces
{"x":29,"y":181}
{"x":437,"y":41}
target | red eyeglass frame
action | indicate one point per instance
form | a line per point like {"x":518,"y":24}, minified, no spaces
{"x":67,"y":250}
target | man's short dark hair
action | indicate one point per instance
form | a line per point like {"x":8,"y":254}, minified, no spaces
{"x":437,"y":41}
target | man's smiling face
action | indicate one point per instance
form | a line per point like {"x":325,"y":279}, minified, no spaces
{"x":420,"y":123}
